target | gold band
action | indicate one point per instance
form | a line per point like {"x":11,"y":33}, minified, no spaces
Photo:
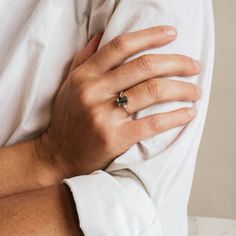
{"x":126,"y":109}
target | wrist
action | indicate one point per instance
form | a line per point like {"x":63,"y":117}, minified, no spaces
{"x":23,"y":169}
{"x":49,"y":171}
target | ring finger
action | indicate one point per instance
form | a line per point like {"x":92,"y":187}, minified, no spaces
{"x":159,"y":90}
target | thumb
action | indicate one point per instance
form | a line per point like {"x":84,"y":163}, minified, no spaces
{"x":87,"y":52}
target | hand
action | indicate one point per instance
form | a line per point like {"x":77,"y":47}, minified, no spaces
{"x":88,"y":130}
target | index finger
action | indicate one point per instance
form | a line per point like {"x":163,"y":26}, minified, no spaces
{"x":123,"y":46}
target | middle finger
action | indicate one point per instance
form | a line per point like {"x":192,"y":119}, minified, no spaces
{"x":147,"y":67}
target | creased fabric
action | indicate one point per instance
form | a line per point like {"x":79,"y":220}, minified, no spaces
{"x":146,"y":190}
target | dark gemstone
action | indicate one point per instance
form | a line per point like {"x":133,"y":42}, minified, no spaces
{"x":122,"y":101}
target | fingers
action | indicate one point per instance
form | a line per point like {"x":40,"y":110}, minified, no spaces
{"x":156,"y":124}
{"x":121,"y":47}
{"x":87,"y":52}
{"x":159,"y":91}
{"x":150,"y":66}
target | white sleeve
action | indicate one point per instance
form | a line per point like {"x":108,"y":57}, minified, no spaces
{"x":146,"y":190}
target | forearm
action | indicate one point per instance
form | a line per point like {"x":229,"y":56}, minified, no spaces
{"x":23,"y":170}
{"x":43,"y":212}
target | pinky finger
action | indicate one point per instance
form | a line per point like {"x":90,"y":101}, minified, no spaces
{"x":155,"y":124}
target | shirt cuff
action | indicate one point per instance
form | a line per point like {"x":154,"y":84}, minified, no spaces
{"x":113,"y":205}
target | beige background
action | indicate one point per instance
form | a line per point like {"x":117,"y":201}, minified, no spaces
{"x":214,"y":188}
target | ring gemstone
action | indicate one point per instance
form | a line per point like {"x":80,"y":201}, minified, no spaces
{"x":122,"y":100}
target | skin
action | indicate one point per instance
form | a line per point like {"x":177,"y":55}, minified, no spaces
{"x":49,"y":211}
{"x":87,"y":98}
{"x":85,"y":107}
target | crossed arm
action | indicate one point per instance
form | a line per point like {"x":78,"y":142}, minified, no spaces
{"x":49,"y":210}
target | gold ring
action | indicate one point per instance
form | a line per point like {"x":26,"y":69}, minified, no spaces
{"x":122,"y":101}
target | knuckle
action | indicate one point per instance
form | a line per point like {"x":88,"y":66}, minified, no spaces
{"x":119,"y":43}
{"x":78,"y":77}
{"x":102,"y":87}
{"x":96,"y":116}
{"x":101,"y":130}
{"x":85,"y":92}
{"x":145,"y":63}
{"x":154,"y":89}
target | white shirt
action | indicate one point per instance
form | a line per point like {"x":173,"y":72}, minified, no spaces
{"x":146,"y":190}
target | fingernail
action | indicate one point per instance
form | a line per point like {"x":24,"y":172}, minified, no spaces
{"x":170,"y":31}
{"x":99,"y":34}
{"x":199,"y":91}
{"x":197,"y":64}
{"x":192,"y":112}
